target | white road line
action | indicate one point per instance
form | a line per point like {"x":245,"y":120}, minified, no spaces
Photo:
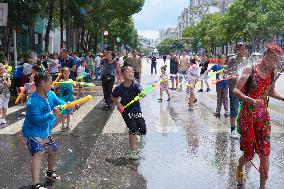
{"x":15,"y":108}
{"x":115,"y":124}
{"x":75,"y":119}
{"x":79,"y":115}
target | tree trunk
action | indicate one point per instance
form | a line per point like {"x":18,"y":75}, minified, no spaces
{"x":83,"y":42}
{"x":61,"y":23}
{"x":31,"y":37}
{"x":5,"y":39}
{"x":68,"y":27}
{"x":49,"y":24}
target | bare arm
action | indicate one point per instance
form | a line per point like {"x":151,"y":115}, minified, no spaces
{"x":240,"y":85}
{"x":273,"y":93}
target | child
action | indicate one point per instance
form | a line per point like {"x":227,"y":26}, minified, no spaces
{"x":221,"y":86}
{"x":164,"y":84}
{"x":192,"y":77}
{"x":66,"y":94}
{"x":132,"y":115}
{"x":81,"y":72}
{"x":5,"y":83}
{"x":42,"y":114}
{"x":30,"y":87}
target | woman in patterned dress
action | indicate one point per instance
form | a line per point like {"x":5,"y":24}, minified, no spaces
{"x":254,"y":120}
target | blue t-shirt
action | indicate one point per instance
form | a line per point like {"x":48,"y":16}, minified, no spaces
{"x":18,"y":72}
{"x":223,"y":84}
{"x":127,"y":94}
{"x":39,"y":120}
{"x":70,"y":62}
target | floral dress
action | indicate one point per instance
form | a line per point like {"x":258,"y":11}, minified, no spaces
{"x":164,"y":82}
{"x":254,"y":122}
{"x":66,"y":94}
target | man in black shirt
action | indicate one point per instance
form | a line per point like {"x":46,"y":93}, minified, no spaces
{"x":204,"y":66}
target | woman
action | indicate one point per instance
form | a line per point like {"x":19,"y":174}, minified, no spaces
{"x":253,"y":88}
{"x":5,"y":83}
{"x":108,"y":78}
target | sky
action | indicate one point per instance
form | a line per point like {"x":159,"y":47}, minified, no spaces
{"x":158,"y":14}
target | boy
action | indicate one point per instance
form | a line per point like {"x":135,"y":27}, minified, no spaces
{"x":132,"y":115}
{"x":42,"y":115}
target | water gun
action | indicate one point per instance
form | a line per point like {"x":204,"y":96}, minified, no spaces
{"x":82,"y":83}
{"x":219,"y":80}
{"x":82,"y":77}
{"x":140,"y":95}
{"x":22,"y":90}
{"x":76,"y":102}
{"x":211,"y":74}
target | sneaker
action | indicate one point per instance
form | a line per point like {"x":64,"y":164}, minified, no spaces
{"x":208,"y":90}
{"x":3,"y":121}
{"x":200,"y":90}
{"x":133,"y":155}
{"x":160,"y":100}
{"x":169,"y":99}
{"x":64,"y":129}
{"x":234,"y":134}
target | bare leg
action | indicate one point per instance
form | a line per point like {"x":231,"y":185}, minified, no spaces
{"x":161,"y":94}
{"x":36,"y":164}
{"x":263,"y":177}
{"x":176,"y":82}
{"x":51,"y":160}
{"x":68,"y":120}
{"x":201,"y":84}
{"x":168,"y":92}
{"x":132,"y":141}
{"x":233,"y":122}
{"x":242,"y":162}
{"x":172,"y":80}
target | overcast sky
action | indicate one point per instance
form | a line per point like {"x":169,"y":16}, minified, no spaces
{"x":158,"y":14}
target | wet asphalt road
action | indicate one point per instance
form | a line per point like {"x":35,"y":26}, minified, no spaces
{"x":182,"y":149}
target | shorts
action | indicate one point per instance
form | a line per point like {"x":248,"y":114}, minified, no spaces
{"x":36,"y":145}
{"x":173,"y":76}
{"x":4,"y":102}
{"x":135,"y":123}
{"x":182,"y":74}
{"x":234,"y":104}
{"x":137,"y":75}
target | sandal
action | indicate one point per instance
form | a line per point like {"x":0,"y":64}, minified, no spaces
{"x":240,"y":176}
{"x":226,"y":114}
{"x":52,"y":175}
{"x":38,"y":186}
{"x":64,"y":129}
{"x":169,"y":99}
{"x":160,"y":99}
{"x":217,"y":114}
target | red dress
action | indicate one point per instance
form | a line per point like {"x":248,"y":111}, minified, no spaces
{"x":255,"y":121}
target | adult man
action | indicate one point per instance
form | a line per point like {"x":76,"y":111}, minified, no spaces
{"x":174,"y":64}
{"x":164,"y":58}
{"x":98,"y":64}
{"x":183,"y":66}
{"x":204,"y":66}
{"x":154,"y":65}
{"x":234,"y":64}
{"x":68,"y":61}
{"x":136,"y":63}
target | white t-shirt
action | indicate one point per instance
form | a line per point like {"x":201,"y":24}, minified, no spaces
{"x":53,"y":66}
{"x":98,"y":61}
{"x":184,"y":62}
{"x":27,"y":68}
{"x":80,"y":71}
{"x":120,"y":61}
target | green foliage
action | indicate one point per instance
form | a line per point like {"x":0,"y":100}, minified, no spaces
{"x":170,"y":44}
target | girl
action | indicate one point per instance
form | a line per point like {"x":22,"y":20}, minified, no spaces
{"x":192,"y":77}
{"x":221,"y":86}
{"x":164,"y":84}
{"x":5,"y":83}
{"x":81,"y":72}
{"x":53,"y":66}
{"x":66,"y":94}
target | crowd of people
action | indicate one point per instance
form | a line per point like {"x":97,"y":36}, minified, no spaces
{"x":243,"y":95}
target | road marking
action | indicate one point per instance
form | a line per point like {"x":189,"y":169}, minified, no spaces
{"x":115,"y":123}
{"x":75,"y":119}
{"x":79,"y":115}
{"x":15,"y":108}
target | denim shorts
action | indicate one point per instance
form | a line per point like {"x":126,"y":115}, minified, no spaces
{"x":36,"y":145}
{"x":234,"y":104}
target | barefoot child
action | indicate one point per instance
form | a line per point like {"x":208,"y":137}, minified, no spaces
{"x":192,"y":78}
{"x":132,"y":115}
{"x":42,"y":114}
{"x":164,"y":84}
